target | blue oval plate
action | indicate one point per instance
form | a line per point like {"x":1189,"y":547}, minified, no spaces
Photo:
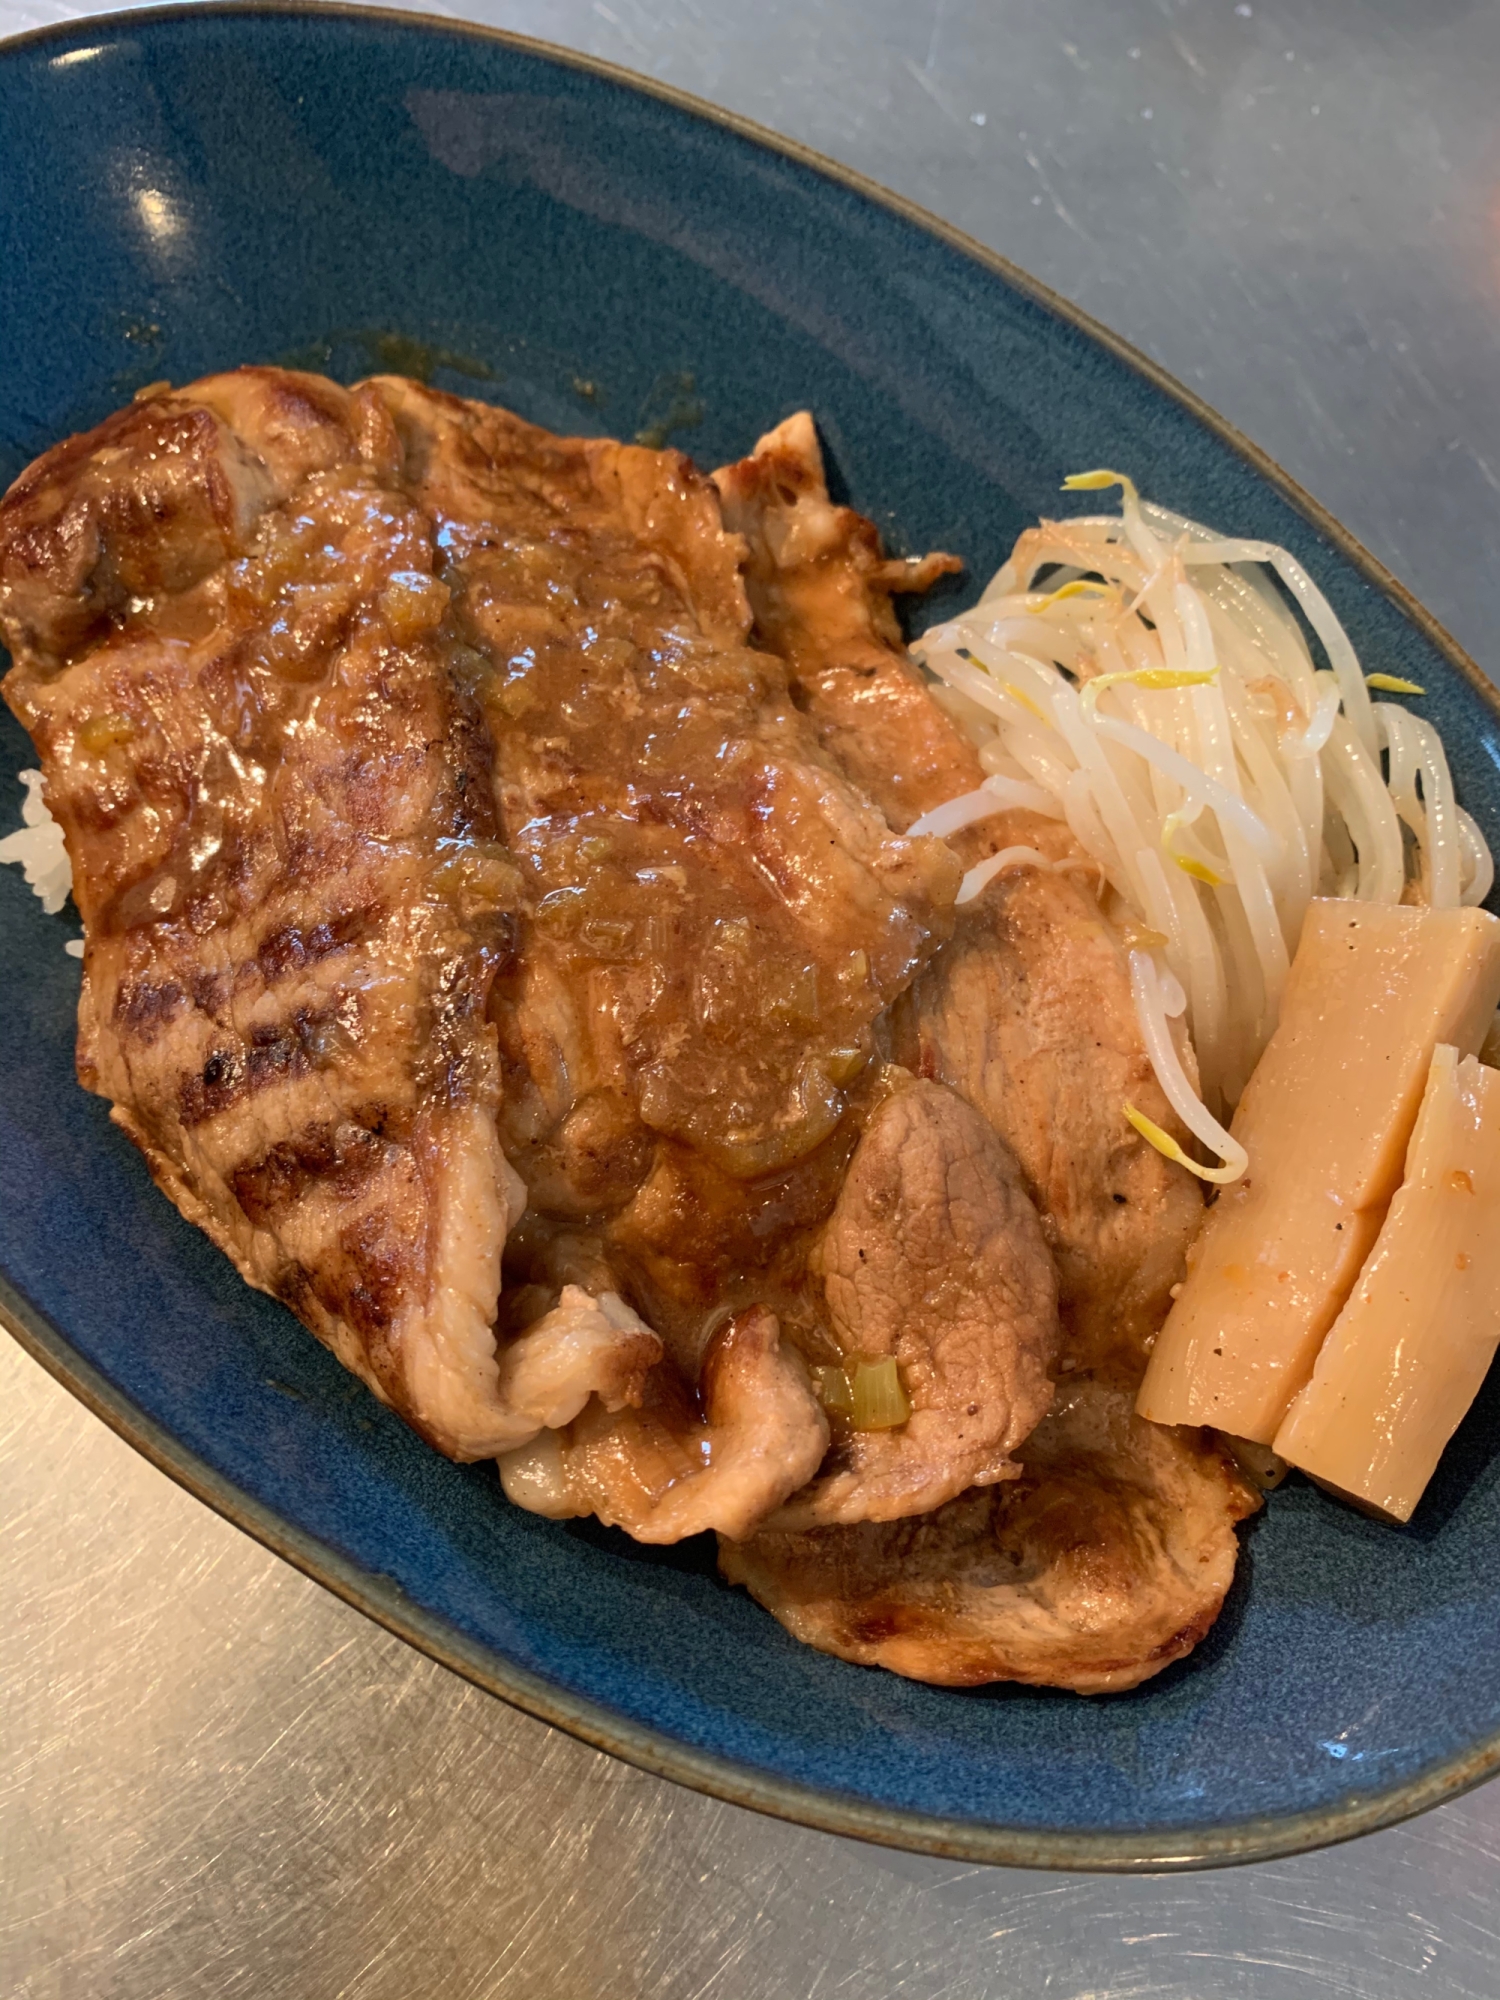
{"x":186,"y":190}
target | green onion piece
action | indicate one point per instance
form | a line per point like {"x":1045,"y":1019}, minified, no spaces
{"x":831,"y":1386}
{"x":880,"y":1402}
{"x":1392,"y":684}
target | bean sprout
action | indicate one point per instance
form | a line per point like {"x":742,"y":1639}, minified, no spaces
{"x":1150,"y":1007}
{"x":1150,"y":683}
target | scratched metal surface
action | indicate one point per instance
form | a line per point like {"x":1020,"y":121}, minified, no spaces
{"x":216,"y":1779}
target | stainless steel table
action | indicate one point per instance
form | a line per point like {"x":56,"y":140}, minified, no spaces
{"x":216,"y":1779}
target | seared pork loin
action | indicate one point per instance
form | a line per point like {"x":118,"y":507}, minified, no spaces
{"x":821,"y":593}
{"x":1027,"y":1014}
{"x":1105,"y":1562}
{"x":932,"y":1250}
{"x":230,"y":650}
{"x":679,"y":1464}
{"x":1110,"y":1555}
{"x":503,"y":938}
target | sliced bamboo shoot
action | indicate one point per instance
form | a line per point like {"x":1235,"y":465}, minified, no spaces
{"x":1406,"y":1356}
{"x":1325,"y":1119}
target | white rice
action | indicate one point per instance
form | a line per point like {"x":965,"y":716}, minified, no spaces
{"x":36,"y":848}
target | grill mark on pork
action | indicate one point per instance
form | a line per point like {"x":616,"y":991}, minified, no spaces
{"x":293,"y":948}
{"x":278,"y":1053}
{"x":143,"y":1007}
{"x":342,"y":1155}
{"x":380,"y":1263}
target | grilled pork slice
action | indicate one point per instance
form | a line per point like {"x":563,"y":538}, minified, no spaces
{"x":1107,"y":1560}
{"x":714,"y":917}
{"x":1027,"y":1012}
{"x":821,"y":593}
{"x":679,"y":1464}
{"x":1028,"y":1015}
{"x":236,"y":661}
{"x":714,"y":922}
{"x":446,"y":851}
{"x":933,"y":1255}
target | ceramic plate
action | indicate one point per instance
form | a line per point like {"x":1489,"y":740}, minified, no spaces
{"x":183,"y":191}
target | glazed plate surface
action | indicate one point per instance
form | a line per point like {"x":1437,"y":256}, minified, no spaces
{"x":356,"y":192}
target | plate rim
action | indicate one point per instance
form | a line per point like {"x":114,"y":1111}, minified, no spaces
{"x":1260,"y":1838}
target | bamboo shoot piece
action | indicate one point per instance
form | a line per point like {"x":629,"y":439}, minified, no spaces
{"x":1406,"y":1356}
{"x":1326,"y":1119}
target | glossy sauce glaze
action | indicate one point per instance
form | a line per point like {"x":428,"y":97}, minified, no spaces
{"x":497,"y":916}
